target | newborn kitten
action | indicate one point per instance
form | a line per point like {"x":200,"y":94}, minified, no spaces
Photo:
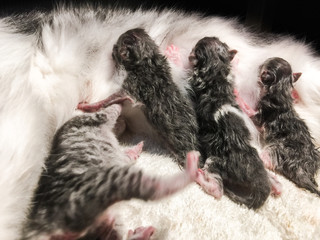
{"x":149,"y":81}
{"x":232,"y":164}
{"x":86,"y":172}
{"x":289,"y":148}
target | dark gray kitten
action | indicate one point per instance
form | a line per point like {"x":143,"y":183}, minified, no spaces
{"x":85,"y":173}
{"x":289,"y":148}
{"x":232,"y":163}
{"x":149,"y":81}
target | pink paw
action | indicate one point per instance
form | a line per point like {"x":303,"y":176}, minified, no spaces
{"x":276,"y":186}
{"x":134,"y":152}
{"x":173,"y":53}
{"x":266,"y":159}
{"x":192,"y":164}
{"x":116,"y":98}
{"x":209,"y":183}
{"x":295,"y":96}
{"x":141,"y":233}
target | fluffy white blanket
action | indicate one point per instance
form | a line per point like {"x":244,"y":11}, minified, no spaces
{"x":192,"y":214}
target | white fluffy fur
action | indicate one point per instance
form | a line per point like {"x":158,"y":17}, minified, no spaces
{"x":39,"y":90}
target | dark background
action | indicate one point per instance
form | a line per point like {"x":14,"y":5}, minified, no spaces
{"x":298,"y":18}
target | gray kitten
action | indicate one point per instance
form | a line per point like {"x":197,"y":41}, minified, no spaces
{"x":149,"y":82}
{"x":232,"y":164}
{"x":87,"y":172}
{"x":289,"y":148}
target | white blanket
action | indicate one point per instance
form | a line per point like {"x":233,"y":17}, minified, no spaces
{"x":193,"y":215}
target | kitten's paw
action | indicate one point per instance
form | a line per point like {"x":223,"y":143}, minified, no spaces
{"x":173,"y":54}
{"x":141,"y":233}
{"x":210,"y":183}
{"x":192,"y":164}
{"x":134,"y":152}
{"x":266,"y":159}
{"x":276,"y":186}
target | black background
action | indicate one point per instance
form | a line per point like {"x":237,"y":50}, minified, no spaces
{"x":298,"y":18}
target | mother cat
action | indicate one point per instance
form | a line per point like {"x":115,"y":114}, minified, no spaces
{"x":49,"y":62}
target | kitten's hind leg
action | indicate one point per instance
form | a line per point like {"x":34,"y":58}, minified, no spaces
{"x":141,"y":233}
{"x":210,"y":182}
{"x":266,"y":159}
{"x":157,"y":188}
{"x":276,"y":186}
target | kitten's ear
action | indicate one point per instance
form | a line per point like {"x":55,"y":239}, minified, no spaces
{"x":296,"y":76}
{"x":232,"y":53}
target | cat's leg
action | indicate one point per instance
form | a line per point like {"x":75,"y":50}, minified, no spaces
{"x":115,"y":98}
{"x":141,"y":233}
{"x":276,"y":186}
{"x":173,"y":54}
{"x":266,"y":159}
{"x":210,"y":182}
{"x":152,"y":188}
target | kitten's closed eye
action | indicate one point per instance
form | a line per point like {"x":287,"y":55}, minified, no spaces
{"x":267,"y":78}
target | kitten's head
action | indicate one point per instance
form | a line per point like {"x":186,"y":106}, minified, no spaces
{"x":275,"y":75}
{"x":133,"y":48}
{"x":277,"y":71}
{"x":211,"y":52}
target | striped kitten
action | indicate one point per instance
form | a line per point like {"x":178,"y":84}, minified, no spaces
{"x":86,"y":172}
{"x":232,"y":165}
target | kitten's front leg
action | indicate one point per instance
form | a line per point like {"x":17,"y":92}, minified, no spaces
{"x":276,"y":186}
{"x":116,"y":98}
